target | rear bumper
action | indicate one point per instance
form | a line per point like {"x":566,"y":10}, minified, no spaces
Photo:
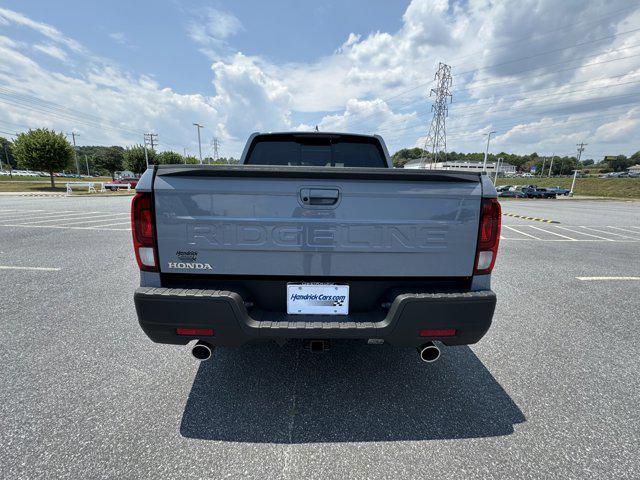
{"x":162,"y":310}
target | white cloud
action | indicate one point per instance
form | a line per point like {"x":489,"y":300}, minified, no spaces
{"x":118,"y":37}
{"x":11,"y":17}
{"x":380,"y":81}
{"x":52,"y":51}
{"x":210,"y":28}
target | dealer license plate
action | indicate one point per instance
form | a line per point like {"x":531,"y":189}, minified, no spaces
{"x":317,"y":299}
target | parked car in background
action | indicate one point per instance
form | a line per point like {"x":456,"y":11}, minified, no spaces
{"x":116,"y":185}
{"x":511,"y":194}
{"x":546,"y":193}
{"x":534,"y":192}
{"x":559,"y":190}
{"x":503,"y":188}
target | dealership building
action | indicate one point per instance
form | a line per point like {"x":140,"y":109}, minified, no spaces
{"x":504,"y":168}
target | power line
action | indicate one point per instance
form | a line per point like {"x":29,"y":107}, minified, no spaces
{"x":416,"y":87}
{"x":550,"y":32}
{"x":36,"y":104}
{"x":529,"y":106}
{"x":556,"y":87}
{"x":473,"y":84}
{"x":555,"y":50}
{"x":507,"y":126}
{"x":483,"y":106}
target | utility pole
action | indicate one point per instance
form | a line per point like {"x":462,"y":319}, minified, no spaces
{"x":486,"y":152}
{"x":436,"y":140}
{"x":75,"y":151}
{"x":198,"y":127}
{"x":544,"y":162}
{"x":6,"y":157}
{"x":580,"y":146}
{"x":152,"y":139}
{"x":551,"y":166}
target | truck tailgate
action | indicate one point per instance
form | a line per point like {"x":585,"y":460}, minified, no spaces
{"x":316,"y":222}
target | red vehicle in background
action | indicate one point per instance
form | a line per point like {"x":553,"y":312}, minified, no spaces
{"x":122,"y":182}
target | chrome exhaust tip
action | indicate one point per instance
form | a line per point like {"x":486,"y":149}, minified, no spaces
{"x":429,"y":353}
{"x":202,"y":351}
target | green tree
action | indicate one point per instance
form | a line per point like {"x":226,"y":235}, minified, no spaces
{"x":619,"y":163}
{"x":111,"y":160}
{"x":6,"y":155}
{"x":170,"y":158}
{"x":42,"y":149}
{"x":636,"y":157}
{"x":134,"y":158}
{"x":403,"y":156}
{"x":191,"y":160}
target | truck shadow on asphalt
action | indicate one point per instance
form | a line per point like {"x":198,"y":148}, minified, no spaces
{"x":352,"y":393}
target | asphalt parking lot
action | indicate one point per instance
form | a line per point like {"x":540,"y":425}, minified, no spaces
{"x":550,"y":392}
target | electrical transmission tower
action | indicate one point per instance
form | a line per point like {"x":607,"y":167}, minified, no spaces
{"x":216,"y":144}
{"x":436,"y":140}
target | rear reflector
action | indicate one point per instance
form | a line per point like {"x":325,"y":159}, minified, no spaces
{"x":195,"y":332}
{"x":447,"y":332}
{"x":488,"y":236}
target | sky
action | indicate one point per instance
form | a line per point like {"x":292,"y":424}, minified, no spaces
{"x":544,"y":75}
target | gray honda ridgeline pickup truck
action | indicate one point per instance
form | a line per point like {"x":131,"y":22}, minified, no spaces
{"x":314,"y":236}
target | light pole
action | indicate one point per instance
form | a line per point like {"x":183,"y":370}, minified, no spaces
{"x":486,"y":152}
{"x":146,"y":155}
{"x":573,"y":184}
{"x":495,"y":179}
{"x":198,"y":127}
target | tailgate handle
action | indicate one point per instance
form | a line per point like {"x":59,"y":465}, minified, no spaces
{"x":319,"y":196}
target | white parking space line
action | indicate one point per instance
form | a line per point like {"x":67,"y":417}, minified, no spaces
{"x":13,"y":212}
{"x":61,"y":227}
{"x":38,"y":214}
{"x":38,"y":269}
{"x":107,"y":218}
{"x":113,"y":225}
{"x":43,"y":217}
{"x":67,"y":220}
{"x":593,"y":279}
{"x":587,"y":234}
{"x":610,"y":233}
{"x":522,"y":233}
{"x":553,"y":233}
{"x":624,"y":229}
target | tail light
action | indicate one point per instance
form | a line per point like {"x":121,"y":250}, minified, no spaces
{"x":143,"y":229}
{"x":488,"y":236}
